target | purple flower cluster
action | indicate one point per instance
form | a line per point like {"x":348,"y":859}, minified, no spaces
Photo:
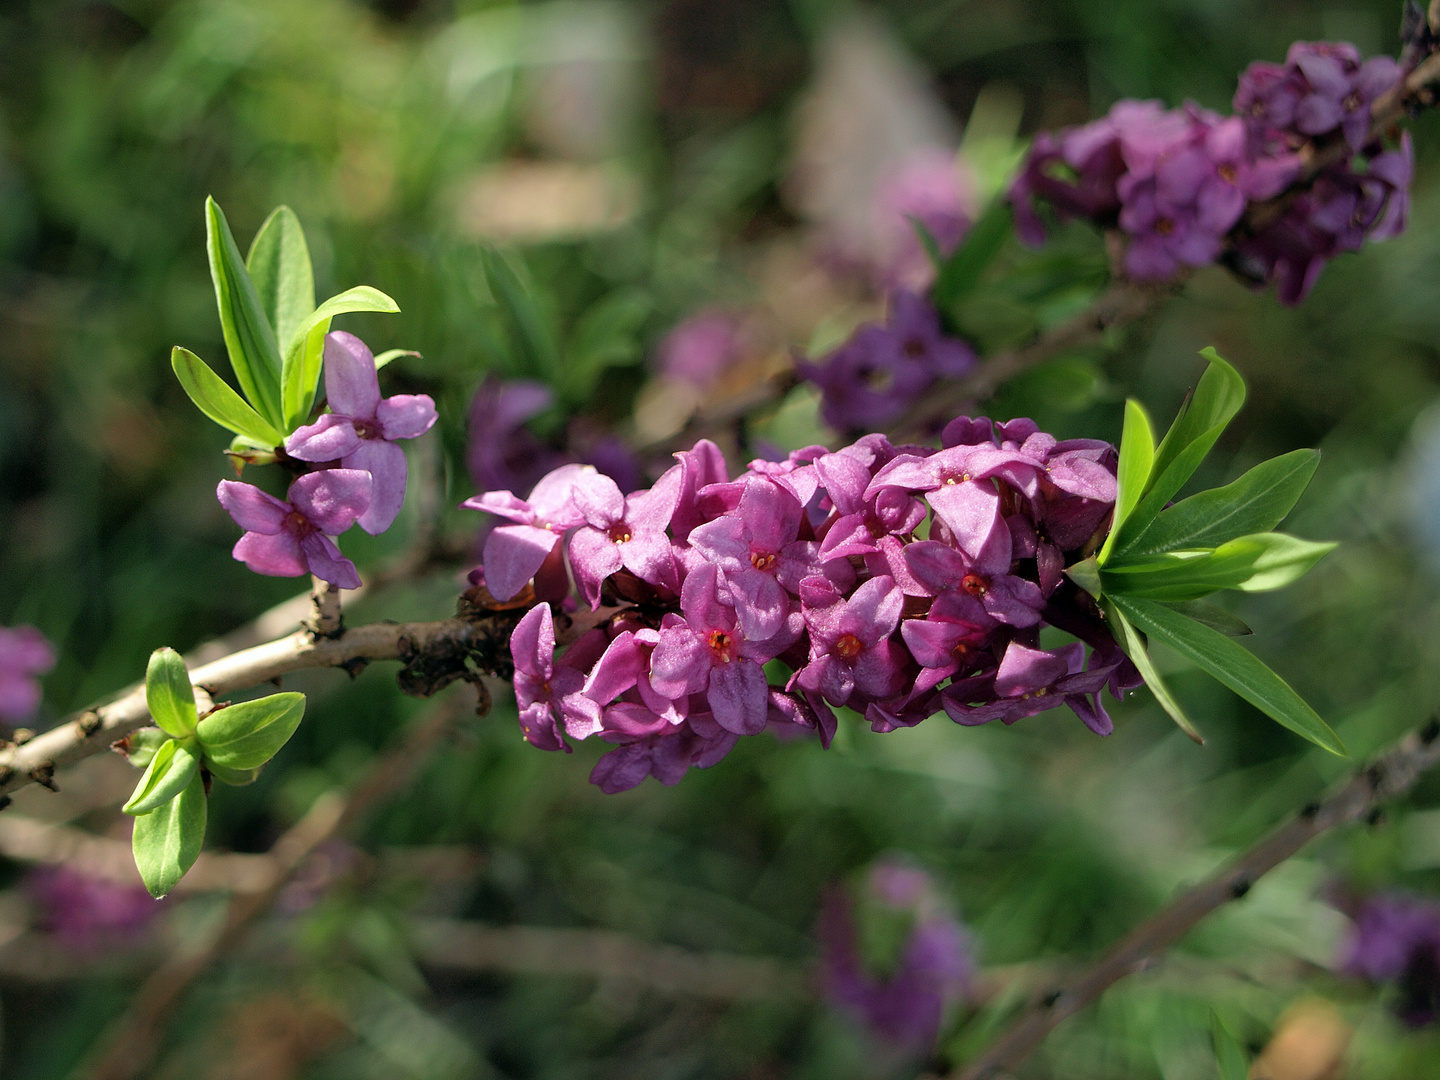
{"x":896,"y":581}
{"x":1396,"y":939}
{"x":1323,"y":92}
{"x":86,"y":912}
{"x":903,"y":1004}
{"x":882,"y":370}
{"x":1177,"y":182}
{"x":358,"y":473}
{"x":24,"y":654}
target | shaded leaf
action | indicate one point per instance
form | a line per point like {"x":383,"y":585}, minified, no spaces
{"x":1213,"y":616}
{"x":167,"y":841}
{"x":1229,"y":1054}
{"x":957,"y":276}
{"x":530,"y":330}
{"x":248,"y":734}
{"x":1257,"y":563}
{"x":1233,"y":665}
{"x":168,"y":693}
{"x":1133,"y":645}
{"x":1206,"y":413}
{"x":213,"y":397}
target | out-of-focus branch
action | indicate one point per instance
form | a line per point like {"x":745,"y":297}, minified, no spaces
{"x":129,"y":1048}
{"x":1390,"y":775}
{"x":435,"y":654}
{"x":602,"y":954}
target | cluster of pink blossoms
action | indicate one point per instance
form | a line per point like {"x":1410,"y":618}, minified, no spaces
{"x":1177,"y":182}
{"x":897,"y":581}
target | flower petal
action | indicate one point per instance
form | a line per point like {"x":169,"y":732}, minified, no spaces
{"x":514,"y":555}
{"x":328,"y":439}
{"x":385,"y":462}
{"x":274,"y":555}
{"x":406,"y":416}
{"x":352,"y":386}
{"x":253,"y":510}
{"x":326,"y":562}
{"x":332,"y":499}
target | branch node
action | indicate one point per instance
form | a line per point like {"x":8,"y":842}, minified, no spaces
{"x":1310,"y":811}
{"x":1376,"y":817}
{"x":1049,"y":1000}
{"x":44,"y":775}
{"x":355,"y":666}
{"x":326,"y":618}
{"x":23,"y":735}
{"x":1240,"y":886}
{"x":6,"y":775}
{"x":1431,"y":731}
{"x":5,"y":801}
{"x":1375,"y":774}
{"x":88,"y":723}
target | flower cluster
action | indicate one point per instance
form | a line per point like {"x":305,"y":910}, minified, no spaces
{"x":917,"y":963}
{"x":1177,"y":182}
{"x":356,"y":474}
{"x":1396,"y":939}
{"x":882,"y":370}
{"x":896,"y":581}
{"x":24,"y":654}
{"x":84,"y":912}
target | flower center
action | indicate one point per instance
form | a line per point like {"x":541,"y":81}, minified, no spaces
{"x":951,"y":478}
{"x":297,"y":524}
{"x":1227,"y":172}
{"x":763,"y":560}
{"x":366,"y":429}
{"x":619,"y":533}
{"x":914,"y":348}
{"x":974,"y":584}
{"x":848,"y":647}
{"x":1164,"y":226}
{"x":961,"y":650}
{"x":1351,"y":103}
{"x":878,"y":379}
{"x":722,"y":645}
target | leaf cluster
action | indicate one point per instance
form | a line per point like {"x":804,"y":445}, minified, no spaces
{"x":274,"y":333}
{"x":1160,"y":561}
{"x":230,"y":743}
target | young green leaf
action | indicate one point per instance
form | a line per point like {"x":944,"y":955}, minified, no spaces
{"x":167,"y":840}
{"x":1231,"y":664}
{"x":168,"y":693}
{"x":1257,"y":563}
{"x":305,"y":348}
{"x":213,"y":397}
{"x":169,"y":773}
{"x":1163,"y":488}
{"x":1213,"y":616}
{"x":529,"y":329}
{"x":1217,"y":398}
{"x":140,"y":747}
{"x":247,"y":735}
{"x":393,"y":354}
{"x":1133,"y":645}
{"x":1229,"y":1054}
{"x":279,"y":265}
{"x":961,"y":272}
{"x":1137,"y":457}
{"x":1256,"y":502}
{"x":249,"y":338}
{"x":233,"y":777}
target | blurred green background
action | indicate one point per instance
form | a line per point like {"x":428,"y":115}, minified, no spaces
{"x":635,"y":162}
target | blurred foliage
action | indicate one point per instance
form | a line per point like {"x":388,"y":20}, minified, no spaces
{"x":385,"y":126}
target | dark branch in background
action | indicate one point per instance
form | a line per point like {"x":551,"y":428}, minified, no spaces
{"x":1391,"y":774}
{"x":128,"y":1049}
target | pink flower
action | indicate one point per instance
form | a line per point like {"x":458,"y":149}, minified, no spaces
{"x":294,"y":537}
{"x":24,"y":654}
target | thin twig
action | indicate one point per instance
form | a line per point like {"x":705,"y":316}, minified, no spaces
{"x":129,"y":1049}
{"x":435,"y":653}
{"x":326,"y":618}
{"x":1392,"y":774}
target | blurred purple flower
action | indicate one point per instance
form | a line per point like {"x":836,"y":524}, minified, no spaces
{"x":1396,"y":939}
{"x":293,"y":537}
{"x":361,"y":428}
{"x":502,"y":454}
{"x":905,"y":1006}
{"x":84,"y":911}
{"x":931,"y":188}
{"x":24,"y":654}
{"x":699,"y":348}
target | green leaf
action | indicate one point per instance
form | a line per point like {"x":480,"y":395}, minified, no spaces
{"x":1217,"y":398}
{"x":279,"y":265}
{"x":393,"y":354}
{"x":213,"y":397}
{"x":168,"y":693}
{"x":169,"y":773}
{"x":958,"y":275}
{"x":305,"y":350}
{"x":1257,"y":563}
{"x":1233,"y":665}
{"x":167,"y":840}
{"x":233,"y":777}
{"x":606,"y":335}
{"x":1213,"y":616}
{"x":1163,"y":488}
{"x":1133,"y":645}
{"x":247,"y":735}
{"x":1256,"y":502}
{"x":1229,"y":1053}
{"x":141,"y":746}
{"x":249,"y":338}
{"x":1137,"y":456}
{"x":530,"y":330}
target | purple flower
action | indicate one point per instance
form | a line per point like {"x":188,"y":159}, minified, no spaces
{"x":502,"y":454}
{"x":700,"y":348}
{"x":83,"y":911}
{"x":361,"y":428}
{"x":24,"y":654}
{"x":934,"y":189}
{"x":1396,"y":939}
{"x":624,"y":531}
{"x":290,"y":538}
{"x":696,"y":744}
{"x":707,"y":652}
{"x":903,"y":1004}
{"x":544,"y":692}
{"x":516,"y":553}
{"x":1030,"y":681}
{"x":850,"y":646}
{"x":950,"y":637}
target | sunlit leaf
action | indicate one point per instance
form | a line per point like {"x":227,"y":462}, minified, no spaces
{"x":1231,"y":664}
{"x":167,"y":841}
{"x":1137,"y":456}
{"x":279,"y":265}
{"x":248,"y":734}
{"x":1256,"y":563}
{"x":1133,"y":645}
{"x":168,"y":693}
{"x":305,"y":350}
{"x":213,"y":397}
{"x":249,"y":338}
{"x":169,"y":773}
